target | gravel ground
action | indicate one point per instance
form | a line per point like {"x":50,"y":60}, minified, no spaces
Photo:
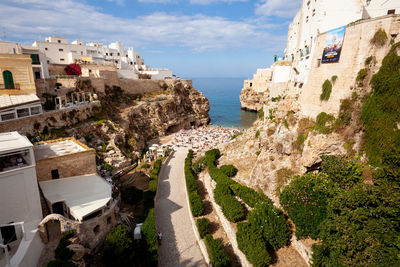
{"x":179,"y":246}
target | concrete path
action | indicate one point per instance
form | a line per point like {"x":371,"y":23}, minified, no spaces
{"x":179,"y":246}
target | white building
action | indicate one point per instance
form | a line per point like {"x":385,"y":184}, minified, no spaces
{"x":319,"y":16}
{"x":128,"y":62}
{"x":39,"y":61}
{"x":20,"y":209}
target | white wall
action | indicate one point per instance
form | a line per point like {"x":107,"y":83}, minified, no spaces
{"x":377,"y":8}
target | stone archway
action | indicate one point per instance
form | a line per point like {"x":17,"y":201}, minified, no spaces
{"x":50,"y":227}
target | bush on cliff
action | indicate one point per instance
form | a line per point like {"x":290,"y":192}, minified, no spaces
{"x":248,"y":195}
{"x":380,"y":38}
{"x":305,"y":202}
{"x":196,"y":204}
{"x":325,"y":123}
{"x":190,"y":179}
{"x":218,"y":256}
{"x":150,"y":238}
{"x":229,"y":170}
{"x":326,"y":90}
{"x":118,"y":248}
{"x":381,"y":110}
{"x":203,"y":226}
{"x":252,"y":244}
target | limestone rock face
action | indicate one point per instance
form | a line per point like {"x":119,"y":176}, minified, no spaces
{"x":128,"y":124}
{"x":79,"y":251}
{"x":251,"y":100}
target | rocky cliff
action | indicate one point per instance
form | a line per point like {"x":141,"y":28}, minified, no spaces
{"x":119,"y":128}
{"x":299,"y":125}
{"x":251,"y":100}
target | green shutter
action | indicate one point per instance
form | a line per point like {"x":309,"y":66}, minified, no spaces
{"x":35,"y":59}
{"x":8,"y":80}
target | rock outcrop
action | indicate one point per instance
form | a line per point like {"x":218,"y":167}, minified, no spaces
{"x":251,"y":100}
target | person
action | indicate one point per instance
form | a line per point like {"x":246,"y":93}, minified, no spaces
{"x":159,"y":237}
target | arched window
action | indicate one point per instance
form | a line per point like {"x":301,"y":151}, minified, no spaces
{"x":8,"y":80}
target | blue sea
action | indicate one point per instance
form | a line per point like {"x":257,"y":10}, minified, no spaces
{"x":223,"y":94}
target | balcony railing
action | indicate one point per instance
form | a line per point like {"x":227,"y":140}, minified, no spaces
{"x":14,"y":86}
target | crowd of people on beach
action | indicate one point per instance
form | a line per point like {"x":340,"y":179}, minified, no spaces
{"x":204,"y":138}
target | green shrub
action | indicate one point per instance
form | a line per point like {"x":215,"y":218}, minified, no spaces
{"x":257,"y":134}
{"x":190,"y":179}
{"x":145,"y":166}
{"x":306,"y":203}
{"x":118,"y":248}
{"x":345,"y":173}
{"x":153,"y":185}
{"x":345,"y":111}
{"x":324,"y":123}
{"x":326,"y":90}
{"x":248,"y":195}
{"x":232,"y":209}
{"x":196,"y":204}
{"x":229,"y":170}
{"x":368,"y":60}
{"x":218,"y":256}
{"x":252,"y":244}
{"x":274,"y":227}
{"x":203,"y":226}
{"x":131,"y":195}
{"x":380,"y":38}
{"x":156,"y":169}
{"x":361,"y":228}
{"x":150,"y":237}
{"x":381,"y":110}
{"x":199,"y":165}
{"x":260,"y":113}
{"x":334,"y":78}
{"x":299,"y":143}
{"x":361,"y":76}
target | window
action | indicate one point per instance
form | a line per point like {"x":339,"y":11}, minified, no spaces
{"x":46,"y":48}
{"x":14,"y":160}
{"x":116,"y":61}
{"x":111,"y":54}
{"x":37,"y":75}
{"x":35,"y":59}
{"x":118,"y":54}
{"x":90,"y":71}
{"x":36,"y":110}
{"x":7,"y":116}
{"x":8,"y":233}
{"x":251,"y":84}
{"x":48,"y":61}
{"x":54,"y":174}
{"x":8,"y":80}
{"x":391,"y":11}
{"x":61,"y":59}
{"x":60,"y":49}
{"x":109,"y":220}
{"x":96,"y":229}
{"x":106,"y":54}
{"x":24,"y":112}
{"x":59,"y":41}
{"x":313,"y":12}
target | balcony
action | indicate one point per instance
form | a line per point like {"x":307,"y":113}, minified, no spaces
{"x":15,"y":86}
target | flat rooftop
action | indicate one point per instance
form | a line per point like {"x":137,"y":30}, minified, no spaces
{"x":13,"y":140}
{"x":58,"y":147}
{"x":7,"y":101}
{"x":83,"y":195}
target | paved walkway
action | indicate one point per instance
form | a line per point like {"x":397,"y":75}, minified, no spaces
{"x":179,"y":245}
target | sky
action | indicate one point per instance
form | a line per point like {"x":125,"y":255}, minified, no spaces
{"x":193,"y":38}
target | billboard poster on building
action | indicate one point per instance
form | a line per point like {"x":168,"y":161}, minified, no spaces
{"x":333,"y":45}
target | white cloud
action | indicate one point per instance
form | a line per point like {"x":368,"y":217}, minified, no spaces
{"x":206,"y":2}
{"x":156,"y":1}
{"x":77,"y":20}
{"x":279,"y":8}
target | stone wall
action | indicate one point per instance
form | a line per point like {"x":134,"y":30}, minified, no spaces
{"x":91,"y":233}
{"x":146,"y":86}
{"x":356,"y":49}
{"x":74,"y":164}
{"x":56,"y":69}
{"x":56,"y":118}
